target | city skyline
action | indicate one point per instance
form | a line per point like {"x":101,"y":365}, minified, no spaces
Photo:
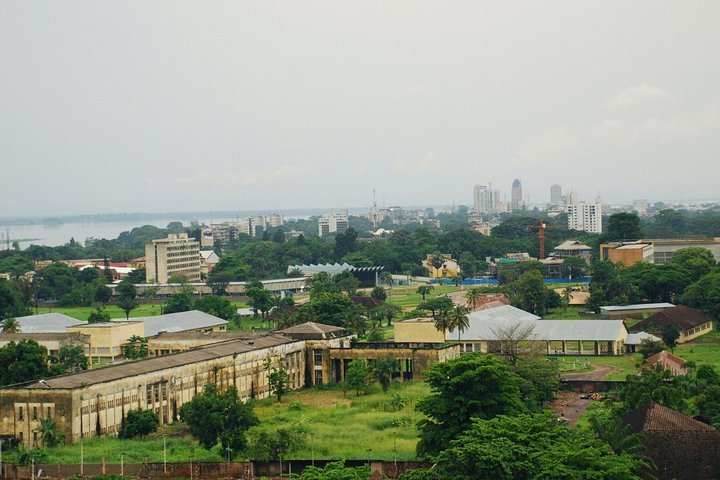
{"x":191,"y":107}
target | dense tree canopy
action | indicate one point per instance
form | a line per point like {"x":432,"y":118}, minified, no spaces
{"x":219,"y":417}
{"x":524,"y":447}
{"x":472,"y":386}
{"x":23,"y":361}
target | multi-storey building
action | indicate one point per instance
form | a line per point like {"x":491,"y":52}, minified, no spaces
{"x":516,"y":201}
{"x":176,"y":254}
{"x":585,"y":217}
{"x":332,"y":223}
{"x":555,"y":194}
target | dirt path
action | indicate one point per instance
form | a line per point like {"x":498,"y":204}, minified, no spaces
{"x":569,"y":405}
{"x":598,"y":373}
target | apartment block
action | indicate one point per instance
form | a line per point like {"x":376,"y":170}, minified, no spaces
{"x":585,"y":217}
{"x":176,"y":254}
{"x":332,"y":223}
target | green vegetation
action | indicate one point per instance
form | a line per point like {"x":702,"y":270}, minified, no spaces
{"x":219,"y":418}
{"x":622,"y":366}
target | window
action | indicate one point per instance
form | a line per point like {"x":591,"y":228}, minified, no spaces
{"x":318,"y":377}
{"x":318,"y":357}
{"x":34,"y":416}
{"x":48,"y":412}
{"x":20,"y":414}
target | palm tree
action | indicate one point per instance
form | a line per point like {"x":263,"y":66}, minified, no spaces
{"x":10,"y":325}
{"x":49,"y":432}
{"x":443,"y":322}
{"x":424,"y":290}
{"x":459,"y":319}
{"x":473,"y":297}
{"x":620,"y":438}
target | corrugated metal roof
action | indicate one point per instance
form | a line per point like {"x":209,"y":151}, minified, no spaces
{"x":637,"y":338}
{"x":637,"y":306}
{"x":489,"y":325}
{"x":130,"y":369}
{"x":178,"y":322}
{"x":46,"y":323}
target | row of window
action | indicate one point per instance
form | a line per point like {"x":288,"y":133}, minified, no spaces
{"x":34,"y":416}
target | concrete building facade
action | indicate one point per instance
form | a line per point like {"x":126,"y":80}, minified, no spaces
{"x":176,"y":254}
{"x":332,"y":223}
{"x":516,"y":198}
{"x":585,"y":217}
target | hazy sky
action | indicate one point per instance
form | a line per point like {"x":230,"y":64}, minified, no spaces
{"x":210,"y":105}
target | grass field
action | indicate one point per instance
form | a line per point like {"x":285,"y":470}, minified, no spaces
{"x":569,"y":313}
{"x":700,"y":353}
{"x":142,"y":310}
{"x":82,"y":313}
{"x":624,"y":365}
{"x":409,"y":299}
{"x":340,"y":427}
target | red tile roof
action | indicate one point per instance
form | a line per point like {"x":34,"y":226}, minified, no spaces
{"x":656,"y":418}
{"x":668,"y":360}
{"x":684,"y":318}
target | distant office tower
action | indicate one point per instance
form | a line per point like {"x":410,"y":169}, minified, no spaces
{"x":570,"y":199}
{"x":333,"y":223}
{"x":483,"y":199}
{"x":176,"y":254}
{"x":585,"y":217}
{"x":555,"y":195}
{"x":640,"y":205}
{"x":516,"y":201}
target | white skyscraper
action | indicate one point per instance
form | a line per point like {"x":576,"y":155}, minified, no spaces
{"x":585,"y":217}
{"x":555,"y":194}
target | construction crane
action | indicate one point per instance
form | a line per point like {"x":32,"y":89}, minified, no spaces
{"x":541,"y":236}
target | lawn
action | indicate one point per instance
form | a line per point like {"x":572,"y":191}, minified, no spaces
{"x":569,"y":313}
{"x":82,"y":313}
{"x":700,"y":353}
{"x":142,"y":310}
{"x":624,"y":365}
{"x":341,"y":426}
{"x":370,"y":427}
{"x":409,"y":299}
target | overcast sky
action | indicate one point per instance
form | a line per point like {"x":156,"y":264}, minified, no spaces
{"x":210,"y":105}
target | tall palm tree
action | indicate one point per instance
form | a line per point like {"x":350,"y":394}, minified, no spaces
{"x":443,"y":322}
{"x":473,"y":297}
{"x":10,"y":325}
{"x":459,"y":319}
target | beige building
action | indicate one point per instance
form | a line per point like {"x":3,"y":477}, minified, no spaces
{"x":94,"y":402}
{"x":656,"y":251}
{"x":690,"y":322}
{"x":107,"y":339}
{"x":494,"y":330}
{"x":176,"y":254}
{"x":448,"y":269}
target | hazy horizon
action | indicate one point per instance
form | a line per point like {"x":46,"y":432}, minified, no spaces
{"x":235,"y":106}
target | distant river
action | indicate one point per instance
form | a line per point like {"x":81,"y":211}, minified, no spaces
{"x":59,"y":234}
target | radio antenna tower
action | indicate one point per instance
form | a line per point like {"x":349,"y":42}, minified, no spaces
{"x":374,"y":212}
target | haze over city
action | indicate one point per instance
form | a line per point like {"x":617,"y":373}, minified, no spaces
{"x":169,"y":106}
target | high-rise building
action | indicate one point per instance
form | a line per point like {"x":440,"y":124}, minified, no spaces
{"x":640,"y":205}
{"x":585,"y":217}
{"x":483,"y":199}
{"x":332,"y":223}
{"x":555,"y":194}
{"x":516,"y":198}
{"x":176,"y":254}
{"x":570,"y":199}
